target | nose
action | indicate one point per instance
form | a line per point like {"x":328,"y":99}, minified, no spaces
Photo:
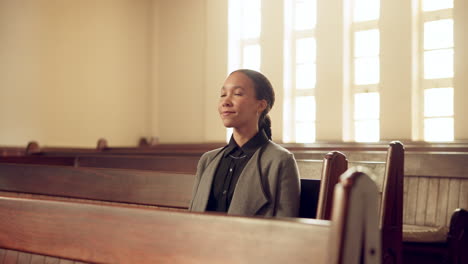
{"x":226,"y":101}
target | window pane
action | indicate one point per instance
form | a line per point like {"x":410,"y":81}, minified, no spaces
{"x":438,"y":64}
{"x":366,"y":131}
{"x":305,"y":132}
{"x":438,"y":102}
{"x":305,"y":76}
{"x":430,"y":5}
{"x":305,"y":50}
{"x":251,"y":19}
{"x":366,"y":70}
{"x":366,"y":106}
{"x":251,"y":58}
{"x":438,"y":129}
{"x":306,"y":14}
{"x":366,"y":43}
{"x":438,"y":34}
{"x":305,"y":109}
{"x":365,"y":10}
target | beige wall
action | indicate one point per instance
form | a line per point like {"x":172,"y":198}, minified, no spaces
{"x":74,"y":71}
{"x":181,"y":46}
{"x":21,"y":88}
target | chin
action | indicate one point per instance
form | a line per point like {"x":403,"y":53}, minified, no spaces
{"x":228,"y":125}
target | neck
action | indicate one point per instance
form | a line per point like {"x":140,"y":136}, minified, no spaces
{"x":242,"y":136}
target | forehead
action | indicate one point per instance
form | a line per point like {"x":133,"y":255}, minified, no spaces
{"x":238,"y":80}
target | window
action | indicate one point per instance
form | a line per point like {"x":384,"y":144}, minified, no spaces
{"x":245,"y":24}
{"x":365,"y":68}
{"x":437,"y":74}
{"x":300,"y":71}
{"x":244,"y":27}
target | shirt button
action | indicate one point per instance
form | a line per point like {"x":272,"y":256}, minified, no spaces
{"x":230,"y":169}
{"x":224,"y":192}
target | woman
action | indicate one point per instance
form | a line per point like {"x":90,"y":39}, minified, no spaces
{"x":251,"y":175}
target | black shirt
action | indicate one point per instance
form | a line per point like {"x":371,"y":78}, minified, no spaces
{"x":229,"y":169}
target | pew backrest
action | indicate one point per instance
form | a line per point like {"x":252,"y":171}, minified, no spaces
{"x":155,"y":188}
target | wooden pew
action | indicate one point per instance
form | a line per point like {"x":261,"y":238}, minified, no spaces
{"x":435,"y":185}
{"x":334,"y":165}
{"x":180,"y":164}
{"x":443,"y":174}
{"x":104,"y":234}
{"x":391,"y":203}
{"x":153,"y":188}
{"x":131,"y":187}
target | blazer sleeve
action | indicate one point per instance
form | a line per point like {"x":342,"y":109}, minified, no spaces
{"x":288,"y":189}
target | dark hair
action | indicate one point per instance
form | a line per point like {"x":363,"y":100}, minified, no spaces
{"x":263,"y":91}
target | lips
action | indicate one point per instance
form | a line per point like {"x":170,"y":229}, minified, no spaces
{"x":227,"y":113}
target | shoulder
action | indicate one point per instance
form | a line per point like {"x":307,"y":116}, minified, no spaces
{"x":277,"y":152}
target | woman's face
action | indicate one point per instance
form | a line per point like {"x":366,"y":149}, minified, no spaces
{"x":238,"y":105}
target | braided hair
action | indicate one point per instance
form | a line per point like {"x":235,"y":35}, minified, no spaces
{"x":263,"y":91}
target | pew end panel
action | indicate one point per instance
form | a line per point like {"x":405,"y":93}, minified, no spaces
{"x":355,"y":219}
{"x":334,"y":165}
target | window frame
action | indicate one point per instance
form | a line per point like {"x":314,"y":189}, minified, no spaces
{"x":428,"y":16}
{"x":291,"y":92}
{"x":360,"y":88}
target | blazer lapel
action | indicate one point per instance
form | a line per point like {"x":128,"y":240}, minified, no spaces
{"x":249,"y":195}
{"x":204,"y":188}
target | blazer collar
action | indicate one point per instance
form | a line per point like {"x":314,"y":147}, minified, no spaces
{"x":204,"y":188}
{"x":249,"y":196}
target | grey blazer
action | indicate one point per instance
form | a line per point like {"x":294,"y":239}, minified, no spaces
{"x":268,"y":186}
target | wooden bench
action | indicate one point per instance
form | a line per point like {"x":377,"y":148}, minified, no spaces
{"x":105,"y":234}
{"x":445,"y":174}
{"x":390,"y":184}
{"x":435,"y":186}
{"x":131,"y":187}
{"x":161,"y":189}
{"x":181,"y":164}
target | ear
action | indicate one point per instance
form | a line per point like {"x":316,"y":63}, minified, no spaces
{"x":262,"y":105}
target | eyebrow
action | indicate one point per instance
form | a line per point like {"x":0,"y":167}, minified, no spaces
{"x":234,"y":88}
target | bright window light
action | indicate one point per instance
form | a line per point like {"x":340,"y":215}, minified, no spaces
{"x":438,"y":34}
{"x":305,"y":109}
{"x":366,"y":70}
{"x":305,"y":14}
{"x":438,"y":64}
{"x":431,"y":5}
{"x":305,"y":50}
{"x":251,"y":57}
{"x":251,"y":19}
{"x":366,"y":43}
{"x":305,"y":132}
{"x":305,"y":76}
{"x":365,"y":10}
{"x":438,"y":129}
{"x":366,"y":106}
{"x":366,"y":131}
{"x":438,"y":102}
